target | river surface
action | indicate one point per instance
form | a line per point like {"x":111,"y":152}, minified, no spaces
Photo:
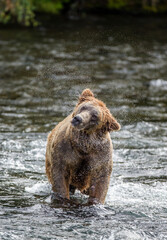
{"x":42,"y":72}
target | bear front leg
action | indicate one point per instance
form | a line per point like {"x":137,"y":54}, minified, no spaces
{"x":60,"y":183}
{"x":98,"y":190}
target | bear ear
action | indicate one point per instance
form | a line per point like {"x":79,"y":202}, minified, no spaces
{"x":111,"y":123}
{"x":85,"y":95}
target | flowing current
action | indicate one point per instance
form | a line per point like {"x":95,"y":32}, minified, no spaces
{"x":42,"y":72}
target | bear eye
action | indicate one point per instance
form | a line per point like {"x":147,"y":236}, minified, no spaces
{"x":94,"y":117}
{"x":83,"y":108}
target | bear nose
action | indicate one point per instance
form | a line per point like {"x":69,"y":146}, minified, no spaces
{"x":76,"y":121}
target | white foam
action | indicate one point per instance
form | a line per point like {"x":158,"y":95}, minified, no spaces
{"x":124,"y":234}
{"x":40,"y":188}
{"x":159,"y":83}
{"x":12,"y":144}
{"x":137,"y":195}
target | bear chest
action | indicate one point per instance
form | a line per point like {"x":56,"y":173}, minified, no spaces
{"x":86,"y":144}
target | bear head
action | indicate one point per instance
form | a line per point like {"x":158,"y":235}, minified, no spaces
{"x":91,"y":114}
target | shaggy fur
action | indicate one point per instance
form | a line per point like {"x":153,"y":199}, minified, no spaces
{"x":79,"y":150}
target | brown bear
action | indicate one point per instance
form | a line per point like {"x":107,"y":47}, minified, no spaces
{"x":79,"y":150}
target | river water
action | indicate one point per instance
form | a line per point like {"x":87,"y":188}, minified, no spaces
{"x":42,"y":72}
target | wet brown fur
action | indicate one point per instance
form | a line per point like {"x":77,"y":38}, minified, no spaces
{"x":82,"y":159}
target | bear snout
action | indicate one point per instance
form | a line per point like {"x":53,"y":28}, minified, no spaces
{"x":76,"y":121}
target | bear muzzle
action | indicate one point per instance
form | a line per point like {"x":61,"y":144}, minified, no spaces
{"x":77,"y":120}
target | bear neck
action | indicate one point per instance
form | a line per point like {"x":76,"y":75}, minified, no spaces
{"x":84,"y":142}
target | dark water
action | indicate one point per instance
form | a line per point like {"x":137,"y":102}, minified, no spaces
{"x":42,"y":72}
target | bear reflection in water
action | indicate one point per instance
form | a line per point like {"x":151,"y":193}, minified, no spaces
{"x":79,"y":151}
